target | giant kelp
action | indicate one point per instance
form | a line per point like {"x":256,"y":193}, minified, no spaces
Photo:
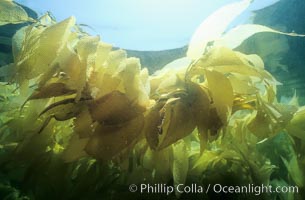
{"x":80,"y":119}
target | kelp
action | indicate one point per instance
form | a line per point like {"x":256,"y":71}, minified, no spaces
{"x":78,"y":113}
{"x":11,"y":13}
{"x":208,"y":32}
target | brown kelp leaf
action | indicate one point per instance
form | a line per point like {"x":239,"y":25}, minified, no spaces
{"x":153,"y":121}
{"x":75,"y":149}
{"x":200,"y":105}
{"x":167,"y":122}
{"x":113,"y":109}
{"x":51,"y":90}
{"x":109,"y":141}
{"x":221,"y":93}
{"x":178,"y":122}
{"x":83,"y":124}
{"x":11,"y":13}
{"x":63,"y":110}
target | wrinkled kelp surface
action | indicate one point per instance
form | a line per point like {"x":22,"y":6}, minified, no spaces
{"x":80,"y":120}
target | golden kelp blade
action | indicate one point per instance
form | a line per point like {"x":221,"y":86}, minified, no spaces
{"x":11,"y":13}
{"x":41,"y":48}
{"x":226,"y":61}
{"x":221,"y":92}
{"x":296,"y":126}
{"x":85,"y":48}
{"x":163,"y":80}
{"x":180,"y":165}
{"x":130,"y":74}
{"x":212,"y":27}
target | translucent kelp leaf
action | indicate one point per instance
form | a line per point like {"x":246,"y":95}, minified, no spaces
{"x":212,"y":27}
{"x":170,"y":83}
{"x":296,"y":126}
{"x":294,"y":170}
{"x":17,"y":41}
{"x":270,"y":118}
{"x":174,"y":71}
{"x":70,"y":70}
{"x":205,"y":160}
{"x":271,"y":47}
{"x":114,"y":59}
{"x":180,"y":164}
{"x":41,"y":47}
{"x":113,"y":109}
{"x":237,"y":35}
{"x":103,"y":83}
{"x":85,"y":48}
{"x":75,"y":148}
{"x":144,"y":76}
{"x":225,"y":60}
{"x":109,"y":141}
{"x":221,"y":93}
{"x":179,"y":64}
{"x":242,"y":84}
{"x":87,"y":45}
{"x":162,"y":169}
{"x":11,"y":13}
{"x":281,"y":149}
{"x":252,"y":59}
{"x":129,"y":73}
{"x":102,"y":52}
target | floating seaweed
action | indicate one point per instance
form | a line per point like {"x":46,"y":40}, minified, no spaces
{"x":80,"y":119}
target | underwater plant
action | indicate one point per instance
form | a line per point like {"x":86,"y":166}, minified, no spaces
{"x":81,"y":120}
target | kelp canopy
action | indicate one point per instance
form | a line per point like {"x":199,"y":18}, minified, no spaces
{"x":80,"y":120}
